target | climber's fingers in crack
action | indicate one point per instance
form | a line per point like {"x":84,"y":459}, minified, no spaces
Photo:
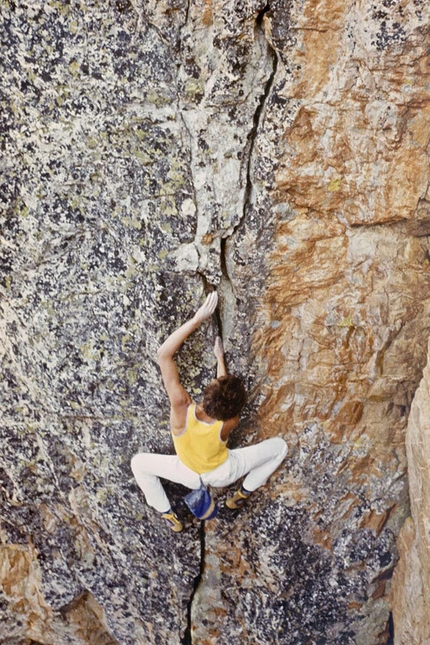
{"x":207,"y":308}
{"x":219,"y":347}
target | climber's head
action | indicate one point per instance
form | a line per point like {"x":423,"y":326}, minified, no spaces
{"x":224,"y":397}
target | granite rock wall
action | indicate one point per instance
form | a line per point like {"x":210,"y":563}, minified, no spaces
{"x":151,"y":150}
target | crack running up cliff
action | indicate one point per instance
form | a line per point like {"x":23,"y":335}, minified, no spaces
{"x":187,"y":638}
{"x":227,"y":283}
{"x":228,"y":288}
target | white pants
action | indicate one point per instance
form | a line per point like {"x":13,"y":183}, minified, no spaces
{"x":258,"y":462}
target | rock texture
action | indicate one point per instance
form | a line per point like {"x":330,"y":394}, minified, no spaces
{"x":277,"y":151}
{"x":411,"y":581}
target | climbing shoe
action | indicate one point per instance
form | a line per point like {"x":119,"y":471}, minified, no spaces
{"x":238,"y":499}
{"x":173,"y":521}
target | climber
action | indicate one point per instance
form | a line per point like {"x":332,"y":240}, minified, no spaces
{"x":200,"y":432}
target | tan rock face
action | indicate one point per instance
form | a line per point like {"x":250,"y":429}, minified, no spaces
{"x":355,"y":153}
{"x":357,"y":145}
{"x":411,"y":581}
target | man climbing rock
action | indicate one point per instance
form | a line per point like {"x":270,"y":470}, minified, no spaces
{"x":200,"y":432}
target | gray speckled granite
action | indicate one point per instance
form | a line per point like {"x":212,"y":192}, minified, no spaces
{"x":101,"y":251}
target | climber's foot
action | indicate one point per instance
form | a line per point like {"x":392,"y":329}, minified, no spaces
{"x":172,"y":520}
{"x":238,"y":499}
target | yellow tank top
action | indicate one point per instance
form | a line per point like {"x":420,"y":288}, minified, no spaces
{"x":200,"y":446}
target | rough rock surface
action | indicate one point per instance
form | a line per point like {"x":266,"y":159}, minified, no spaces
{"x":411,"y":580}
{"x":280,"y":152}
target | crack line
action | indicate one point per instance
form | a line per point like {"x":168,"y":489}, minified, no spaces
{"x":259,"y":112}
{"x":252,"y":136}
{"x":187,"y":638}
{"x":250,"y":145}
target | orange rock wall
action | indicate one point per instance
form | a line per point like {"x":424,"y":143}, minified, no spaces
{"x":349,"y":273}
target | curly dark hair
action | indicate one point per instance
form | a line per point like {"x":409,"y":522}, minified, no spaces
{"x":224,"y":397}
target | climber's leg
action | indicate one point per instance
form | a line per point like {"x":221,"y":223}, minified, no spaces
{"x":258,"y":462}
{"x":148,"y":468}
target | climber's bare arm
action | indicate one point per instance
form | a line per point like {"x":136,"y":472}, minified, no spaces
{"x":178,"y":396}
{"x":221,"y":370}
{"x":228,"y":427}
{"x":219,"y":354}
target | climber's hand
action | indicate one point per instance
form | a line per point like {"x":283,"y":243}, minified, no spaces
{"x":219,"y":348}
{"x":207,"y":309}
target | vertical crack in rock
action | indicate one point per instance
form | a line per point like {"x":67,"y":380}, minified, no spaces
{"x":227,"y":286}
{"x":187,"y":638}
{"x":227,"y":291}
{"x":259,"y":113}
{"x":390,"y":629}
{"x":187,"y":12}
{"x":226,"y":281}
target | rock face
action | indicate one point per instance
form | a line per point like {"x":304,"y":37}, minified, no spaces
{"x":277,"y":151}
{"x":411,"y":581}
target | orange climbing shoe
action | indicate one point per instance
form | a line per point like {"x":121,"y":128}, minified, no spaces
{"x":173,"y":521}
{"x":238,"y":499}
